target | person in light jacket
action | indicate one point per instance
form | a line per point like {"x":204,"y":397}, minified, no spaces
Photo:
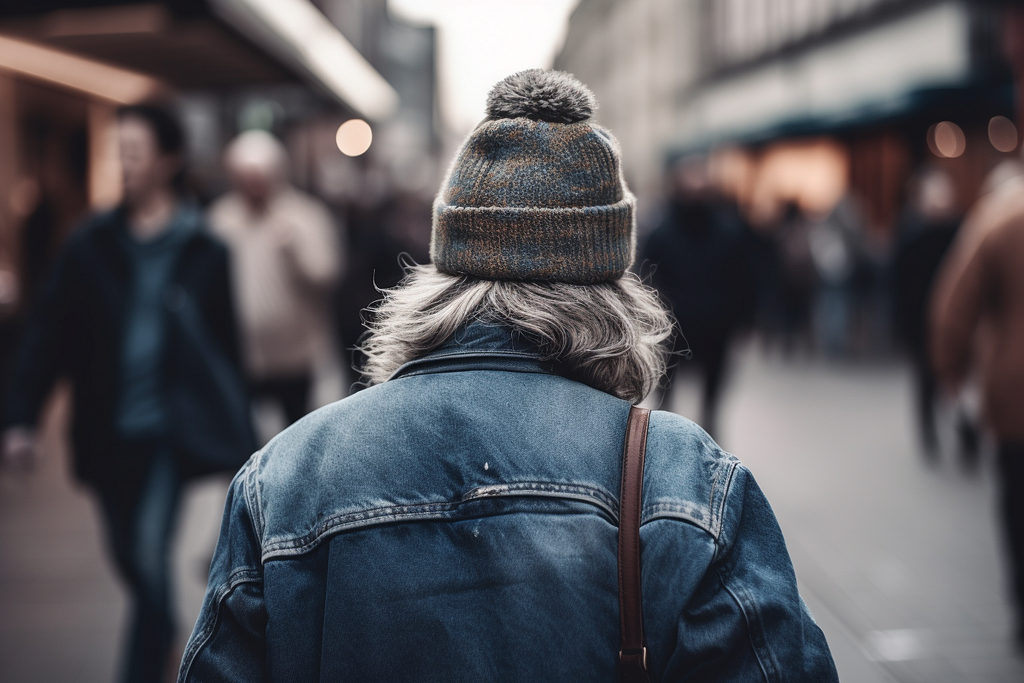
{"x":286,"y":257}
{"x":458,"y":520}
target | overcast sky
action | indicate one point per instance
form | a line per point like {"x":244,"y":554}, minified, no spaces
{"x":481,"y":42}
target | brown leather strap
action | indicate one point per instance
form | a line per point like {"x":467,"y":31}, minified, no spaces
{"x":633,"y":653}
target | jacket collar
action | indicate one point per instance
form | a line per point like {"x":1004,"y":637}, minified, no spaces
{"x":480,"y":346}
{"x":187,"y":220}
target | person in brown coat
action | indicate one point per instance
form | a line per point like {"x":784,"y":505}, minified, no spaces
{"x":978,"y":326}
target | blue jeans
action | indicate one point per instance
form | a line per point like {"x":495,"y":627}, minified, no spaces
{"x":139,"y":509}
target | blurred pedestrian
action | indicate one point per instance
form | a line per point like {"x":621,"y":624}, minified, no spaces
{"x":925,"y":232}
{"x":834,"y":247}
{"x":698,"y":261}
{"x":978,"y":324}
{"x":460,"y":519}
{"x":797,"y":278}
{"x":137,"y":314}
{"x":380,"y":241}
{"x":286,"y":257}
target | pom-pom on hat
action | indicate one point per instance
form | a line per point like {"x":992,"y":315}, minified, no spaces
{"x":536,"y":192}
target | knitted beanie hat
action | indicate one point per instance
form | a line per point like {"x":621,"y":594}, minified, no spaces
{"x":536,"y":192}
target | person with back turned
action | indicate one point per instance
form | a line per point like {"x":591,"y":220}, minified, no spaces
{"x":137,"y":314}
{"x":977,"y":324}
{"x":926,"y":231}
{"x":467,"y":516}
{"x":286,"y":256}
{"x":699,"y":264}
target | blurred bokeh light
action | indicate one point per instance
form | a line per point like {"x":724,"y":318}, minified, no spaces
{"x":354,"y":137}
{"x":1002,"y":134}
{"x":946,"y":139}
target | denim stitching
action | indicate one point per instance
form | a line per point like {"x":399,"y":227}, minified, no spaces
{"x":687,"y":512}
{"x":235,"y":578}
{"x":718,"y":512}
{"x":584,"y":492}
{"x":437,"y":510}
{"x":255,"y":499}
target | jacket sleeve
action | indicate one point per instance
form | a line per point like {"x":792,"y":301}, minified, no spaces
{"x":228,"y":643}
{"x":41,"y":354}
{"x":747,"y":621}
{"x":964,"y":285}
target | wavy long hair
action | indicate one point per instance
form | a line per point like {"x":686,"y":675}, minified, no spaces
{"x":613,"y":336}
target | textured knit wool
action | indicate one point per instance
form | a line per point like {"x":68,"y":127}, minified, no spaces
{"x":536,"y":191}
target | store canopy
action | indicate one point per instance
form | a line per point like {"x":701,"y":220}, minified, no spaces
{"x":872,"y":76}
{"x":194,"y":44}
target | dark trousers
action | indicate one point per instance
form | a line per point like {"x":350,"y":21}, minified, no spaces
{"x":708,"y":357}
{"x":140,"y":506}
{"x":292,"y":393}
{"x":1011,"y":469}
{"x":925,"y":385}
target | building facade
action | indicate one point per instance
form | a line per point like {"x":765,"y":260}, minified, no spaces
{"x":856,"y":84}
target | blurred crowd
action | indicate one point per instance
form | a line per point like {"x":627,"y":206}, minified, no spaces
{"x":303,"y":269}
{"x":947,"y":292}
{"x":811,"y":284}
{"x":172,"y":320}
{"x":807,"y":281}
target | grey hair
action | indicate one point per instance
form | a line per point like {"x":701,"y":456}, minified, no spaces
{"x":611,"y":335}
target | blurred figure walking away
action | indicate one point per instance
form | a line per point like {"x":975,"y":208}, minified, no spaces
{"x":700,"y":267}
{"x":925,"y":232}
{"x":137,"y":313}
{"x":797,"y":279}
{"x":286,"y":258}
{"x":380,"y":240}
{"x":836,"y":257}
{"x":978,"y":319}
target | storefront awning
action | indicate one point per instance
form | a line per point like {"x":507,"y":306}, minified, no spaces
{"x":199,"y":44}
{"x":873,"y":75}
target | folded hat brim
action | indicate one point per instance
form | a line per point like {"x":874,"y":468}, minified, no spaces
{"x":577,"y":245}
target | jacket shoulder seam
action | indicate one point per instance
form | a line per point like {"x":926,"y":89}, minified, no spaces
{"x":253,"y":499}
{"x":718,"y":511}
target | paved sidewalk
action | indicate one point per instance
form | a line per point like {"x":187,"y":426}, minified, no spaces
{"x":61,"y":606}
{"x":899,"y":561}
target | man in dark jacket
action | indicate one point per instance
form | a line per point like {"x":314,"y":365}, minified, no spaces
{"x":458,"y":520}
{"x":926,"y":231}
{"x":137,"y":314}
{"x":699,"y":264}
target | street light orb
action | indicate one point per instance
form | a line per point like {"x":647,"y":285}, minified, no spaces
{"x":947,"y":140}
{"x":354,"y":137}
{"x":1002,"y":134}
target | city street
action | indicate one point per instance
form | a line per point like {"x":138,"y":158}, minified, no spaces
{"x":899,"y":561}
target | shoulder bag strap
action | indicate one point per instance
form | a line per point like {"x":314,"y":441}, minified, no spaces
{"x":633,"y":653}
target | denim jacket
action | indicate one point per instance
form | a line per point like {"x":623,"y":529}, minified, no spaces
{"x":459,"y":522}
